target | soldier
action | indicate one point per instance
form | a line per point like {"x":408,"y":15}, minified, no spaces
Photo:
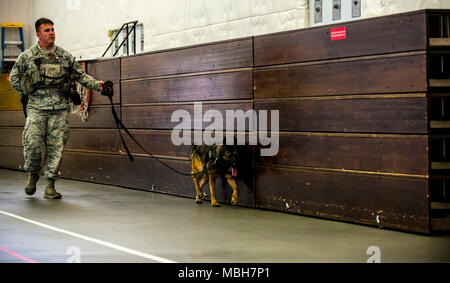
{"x":42,"y":76}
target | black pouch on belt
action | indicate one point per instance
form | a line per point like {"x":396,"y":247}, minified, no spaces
{"x":74,"y":95}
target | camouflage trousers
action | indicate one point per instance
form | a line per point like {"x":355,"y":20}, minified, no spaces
{"x":46,"y":131}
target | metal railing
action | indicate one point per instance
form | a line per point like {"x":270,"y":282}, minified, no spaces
{"x":133,"y":29}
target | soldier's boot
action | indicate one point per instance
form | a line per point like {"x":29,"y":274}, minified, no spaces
{"x":50,"y":192}
{"x":30,"y":188}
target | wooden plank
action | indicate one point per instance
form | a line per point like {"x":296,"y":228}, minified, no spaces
{"x":440,"y":83}
{"x":104,"y":140}
{"x":399,"y":203}
{"x":144,"y":173}
{"x":11,"y":136}
{"x":385,"y":75}
{"x":398,"y":154}
{"x":157,"y":142}
{"x":9,"y":99}
{"x":105,"y":70}
{"x":12,"y":157}
{"x":221,"y":86}
{"x":99,"y":117}
{"x":159,"y":116}
{"x":374,"y":114}
{"x":12,"y":118}
{"x":388,"y":34}
{"x":439,"y":42}
{"x":439,"y":124}
{"x":211,"y":57}
{"x":118,"y":170}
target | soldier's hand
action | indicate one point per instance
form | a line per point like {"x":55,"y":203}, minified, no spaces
{"x":101,"y":85}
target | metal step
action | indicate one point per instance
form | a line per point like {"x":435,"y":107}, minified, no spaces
{"x":10,"y":59}
{"x":13,"y":42}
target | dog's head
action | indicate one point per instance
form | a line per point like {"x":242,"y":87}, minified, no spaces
{"x":229,"y":157}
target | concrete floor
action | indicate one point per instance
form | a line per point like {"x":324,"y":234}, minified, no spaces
{"x":99,"y":223}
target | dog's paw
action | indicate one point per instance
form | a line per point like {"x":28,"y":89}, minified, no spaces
{"x":198,"y":201}
{"x":234,"y":201}
{"x":215,"y":204}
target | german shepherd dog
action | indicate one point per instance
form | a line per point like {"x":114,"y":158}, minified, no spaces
{"x":211,"y":162}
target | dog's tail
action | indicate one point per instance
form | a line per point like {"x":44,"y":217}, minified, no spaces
{"x":192,"y":150}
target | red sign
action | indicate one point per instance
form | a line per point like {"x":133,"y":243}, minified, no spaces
{"x":338,"y":33}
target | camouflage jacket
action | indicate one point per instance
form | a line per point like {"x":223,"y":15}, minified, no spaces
{"x":48,"y":71}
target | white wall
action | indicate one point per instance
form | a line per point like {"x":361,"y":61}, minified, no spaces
{"x":167,"y":23}
{"x":375,"y":8}
{"x":82,"y":25}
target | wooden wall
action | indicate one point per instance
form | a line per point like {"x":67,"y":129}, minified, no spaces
{"x":353,"y":115}
{"x":364,"y":121}
{"x":149,"y":88}
{"x":12,"y":121}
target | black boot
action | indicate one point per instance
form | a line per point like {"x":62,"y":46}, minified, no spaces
{"x":30,"y":188}
{"x":50,"y":192}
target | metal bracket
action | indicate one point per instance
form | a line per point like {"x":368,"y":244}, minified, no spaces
{"x":318,"y":11}
{"x":356,"y":8}
{"x":337,"y":10}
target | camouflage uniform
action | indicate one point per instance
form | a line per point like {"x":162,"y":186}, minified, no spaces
{"x":42,"y":77}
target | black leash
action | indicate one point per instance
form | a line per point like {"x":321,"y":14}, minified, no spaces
{"x":108,"y":91}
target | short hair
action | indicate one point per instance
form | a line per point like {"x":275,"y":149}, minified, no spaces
{"x":42,"y":21}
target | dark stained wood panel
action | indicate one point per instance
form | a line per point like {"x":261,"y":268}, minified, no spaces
{"x":145,"y":173}
{"x":394,"y":33}
{"x":11,"y":157}
{"x":399,"y":203}
{"x":119,"y":170}
{"x":105,"y":140}
{"x":99,"y":117}
{"x":211,"y":57}
{"x":233,"y":85}
{"x":400,"y":154}
{"x":11,"y":136}
{"x":383,"y":75}
{"x":157,"y":142}
{"x":12,"y":118}
{"x":354,"y":115}
{"x":105,"y":70}
{"x":159,"y":116}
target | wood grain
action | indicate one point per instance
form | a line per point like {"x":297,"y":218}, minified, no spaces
{"x":350,"y":114}
{"x":222,"y":86}
{"x":399,"y":203}
{"x":389,"y":34}
{"x":386,"y":75}
{"x":215,"y":56}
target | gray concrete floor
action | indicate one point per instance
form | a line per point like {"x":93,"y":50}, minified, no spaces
{"x":177,"y":229}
